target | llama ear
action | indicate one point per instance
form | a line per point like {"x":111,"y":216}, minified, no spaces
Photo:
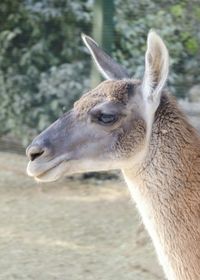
{"x":156,"y":69}
{"x":110,"y":69}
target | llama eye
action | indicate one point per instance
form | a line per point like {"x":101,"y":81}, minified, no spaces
{"x":107,"y":118}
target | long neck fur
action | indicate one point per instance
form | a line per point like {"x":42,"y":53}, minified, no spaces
{"x":166,"y":190}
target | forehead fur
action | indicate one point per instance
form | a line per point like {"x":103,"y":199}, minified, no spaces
{"x":117,"y":91}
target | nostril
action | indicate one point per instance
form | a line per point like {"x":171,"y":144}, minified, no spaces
{"x":34,"y":152}
{"x":33,"y":156}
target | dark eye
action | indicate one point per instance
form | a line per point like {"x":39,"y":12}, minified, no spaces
{"x":107,"y":118}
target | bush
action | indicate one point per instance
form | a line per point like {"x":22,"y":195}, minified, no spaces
{"x":39,"y":44}
{"x":176,"y":21}
{"x":44,"y":66}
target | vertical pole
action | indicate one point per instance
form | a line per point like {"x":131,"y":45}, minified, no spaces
{"x":102,"y":31}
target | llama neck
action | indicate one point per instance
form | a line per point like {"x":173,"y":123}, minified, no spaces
{"x":166,"y":192}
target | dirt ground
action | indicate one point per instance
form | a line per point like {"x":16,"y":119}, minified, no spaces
{"x":70,"y":230}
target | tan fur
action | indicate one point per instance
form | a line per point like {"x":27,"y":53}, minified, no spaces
{"x":167,"y":192}
{"x":107,"y":90}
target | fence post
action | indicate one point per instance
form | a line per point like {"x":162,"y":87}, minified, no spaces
{"x":103,"y":12}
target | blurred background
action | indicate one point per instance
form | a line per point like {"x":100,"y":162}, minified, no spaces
{"x":83,"y":227}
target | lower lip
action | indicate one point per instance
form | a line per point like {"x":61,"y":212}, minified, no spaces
{"x":47,"y":171}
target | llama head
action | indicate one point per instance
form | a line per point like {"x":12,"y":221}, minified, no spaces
{"x":108,"y":126}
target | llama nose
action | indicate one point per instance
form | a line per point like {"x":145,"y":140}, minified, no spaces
{"x":34,"y":151}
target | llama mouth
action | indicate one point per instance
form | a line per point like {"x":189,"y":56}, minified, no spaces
{"x":48,"y":170}
{"x":41,"y":170}
{"x":51,"y":174}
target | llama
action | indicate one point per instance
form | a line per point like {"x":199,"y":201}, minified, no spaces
{"x":137,"y":127}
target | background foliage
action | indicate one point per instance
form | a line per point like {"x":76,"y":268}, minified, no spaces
{"x":44,"y":66}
